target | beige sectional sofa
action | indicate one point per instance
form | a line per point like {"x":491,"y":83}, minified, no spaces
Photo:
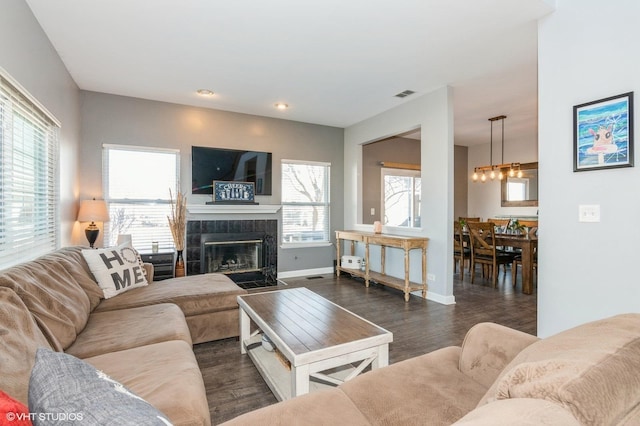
{"x":142,"y":338}
{"x":589,"y":375}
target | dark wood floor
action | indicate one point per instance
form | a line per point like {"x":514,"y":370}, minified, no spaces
{"x":234,"y":386}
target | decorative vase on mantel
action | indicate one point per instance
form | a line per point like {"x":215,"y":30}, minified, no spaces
{"x":179,"y":269}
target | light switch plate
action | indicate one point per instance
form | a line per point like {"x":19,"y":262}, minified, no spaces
{"x":589,"y":213}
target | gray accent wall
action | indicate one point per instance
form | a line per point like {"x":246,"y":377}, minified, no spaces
{"x":460,"y":181}
{"x":398,"y":150}
{"x":111,"y":119}
{"x":28,"y":56}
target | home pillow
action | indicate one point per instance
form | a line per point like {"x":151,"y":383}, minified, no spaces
{"x":64,"y":385}
{"x":15,"y":412}
{"x":116,"y":269}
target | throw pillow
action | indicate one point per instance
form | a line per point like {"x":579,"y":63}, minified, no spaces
{"x":69,"y":390}
{"x":116,"y":269}
{"x":14,"y":412}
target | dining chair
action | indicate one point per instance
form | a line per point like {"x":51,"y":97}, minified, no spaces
{"x":517,"y":260}
{"x":461,"y":252}
{"x":528,"y":223}
{"x":469,"y":219}
{"x":484,"y":251}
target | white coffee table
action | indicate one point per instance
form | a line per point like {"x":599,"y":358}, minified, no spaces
{"x":318,"y":343}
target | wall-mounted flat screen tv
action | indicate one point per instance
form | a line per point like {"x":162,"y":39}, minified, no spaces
{"x":232,"y":165}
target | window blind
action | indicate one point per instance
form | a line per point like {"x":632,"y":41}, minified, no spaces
{"x":305,"y":201}
{"x":137,"y":181}
{"x":29,"y":189}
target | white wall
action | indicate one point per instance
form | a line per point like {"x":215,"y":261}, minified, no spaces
{"x":484,"y":198}
{"x":587,"y":270}
{"x":433,"y":112}
{"x":28,"y":56}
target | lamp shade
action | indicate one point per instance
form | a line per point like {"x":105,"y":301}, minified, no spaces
{"x":93,"y":211}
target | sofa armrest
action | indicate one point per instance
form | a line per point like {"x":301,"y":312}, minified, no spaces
{"x":148,"y":268}
{"x":488,"y":348}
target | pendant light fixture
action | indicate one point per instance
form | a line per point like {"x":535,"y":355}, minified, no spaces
{"x":480,"y":172}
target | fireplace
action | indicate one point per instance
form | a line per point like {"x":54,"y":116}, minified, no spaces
{"x":231,"y":253}
{"x":245,"y":250}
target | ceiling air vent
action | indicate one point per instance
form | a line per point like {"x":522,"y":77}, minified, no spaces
{"x":404,"y":94}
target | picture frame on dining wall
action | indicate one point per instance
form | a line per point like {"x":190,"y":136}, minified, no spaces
{"x":603,"y":133}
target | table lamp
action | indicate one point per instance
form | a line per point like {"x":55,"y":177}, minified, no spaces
{"x":93,"y":211}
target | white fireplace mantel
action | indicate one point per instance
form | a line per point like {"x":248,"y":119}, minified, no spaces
{"x":233,"y":209}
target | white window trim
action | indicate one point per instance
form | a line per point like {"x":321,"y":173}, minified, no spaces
{"x":24,"y":92}
{"x":396,"y":172}
{"x":133,"y":202}
{"x":305,"y":162}
{"x":297,"y":245}
{"x":18,"y":98}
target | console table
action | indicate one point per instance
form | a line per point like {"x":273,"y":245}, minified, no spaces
{"x":384,"y":240}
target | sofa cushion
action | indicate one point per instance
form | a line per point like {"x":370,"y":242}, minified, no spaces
{"x":326,"y":407}
{"x":52,"y":294}
{"x":20,"y":337}
{"x":441,"y":393}
{"x":584,"y":369}
{"x":73,"y":261}
{"x":169,"y":379}
{"x":116,"y":269}
{"x":519,"y":411}
{"x":226,"y":325}
{"x":113,"y":331}
{"x":195,"y":294}
{"x":65,"y":385}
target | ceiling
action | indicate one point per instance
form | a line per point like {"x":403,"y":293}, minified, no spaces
{"x":334,"y":62}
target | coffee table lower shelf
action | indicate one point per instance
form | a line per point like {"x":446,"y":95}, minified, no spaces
{"x":277,"y":374}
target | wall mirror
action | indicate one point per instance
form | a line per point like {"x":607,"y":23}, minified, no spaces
{"x":520,"y":191}
{"x":391,"y":184}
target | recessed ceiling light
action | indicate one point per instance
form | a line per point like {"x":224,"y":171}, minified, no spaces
{"x":282,"y":106}
{"x":204,"y":92}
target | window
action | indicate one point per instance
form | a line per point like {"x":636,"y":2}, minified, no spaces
{"x":305,"y":202}
{"x":517,"y":189}
{"x":401,"y":201}
{"x":29,"y":220}
{"x":137,"y":182}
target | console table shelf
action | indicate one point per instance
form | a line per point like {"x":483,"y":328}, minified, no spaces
{"x":385,"y":240}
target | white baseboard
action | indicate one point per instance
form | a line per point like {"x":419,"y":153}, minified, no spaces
{"x":439,"y":298}
{"x":436,"y":297}
{"x":306,"y":272}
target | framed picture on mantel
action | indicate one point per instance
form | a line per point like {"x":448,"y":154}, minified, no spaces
{"x":603,"y":133}
{"x":225,"y":192}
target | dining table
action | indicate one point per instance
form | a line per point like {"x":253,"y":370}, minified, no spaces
{"x":528,"y":244}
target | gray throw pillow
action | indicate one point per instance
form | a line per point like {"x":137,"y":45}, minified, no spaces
{"x":66,"y":390}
